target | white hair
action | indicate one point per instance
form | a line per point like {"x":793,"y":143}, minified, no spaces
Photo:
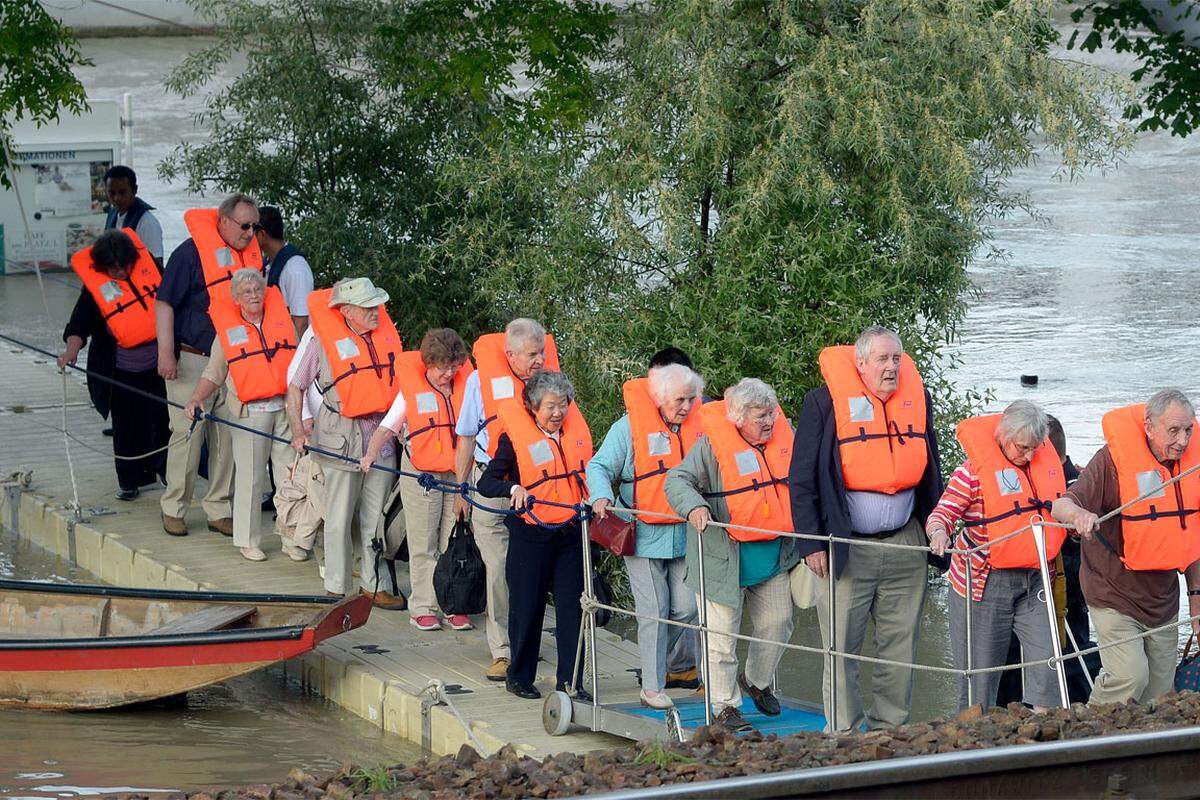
{"x":747,"y":394}
{"x":1023,"y":422}
{"x":862,"y":345}
{"x":546,"y":382}
{"x":662,"y":380}
{"x":1160,"y":401}
{"x":523,"y":330}
{"x":245,"y":275}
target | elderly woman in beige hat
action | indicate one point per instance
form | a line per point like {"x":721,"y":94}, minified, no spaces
{"x":350,"y":352}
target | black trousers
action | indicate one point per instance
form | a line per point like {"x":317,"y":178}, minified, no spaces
{"x":139,"y":425}
{"x":543,"y":561}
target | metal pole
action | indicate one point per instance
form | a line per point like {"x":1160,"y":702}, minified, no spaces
{"x":1087,"y":676}
{"x":832,"y":664}
{"x":127,"y":128}
{"x":967,"y":629}
{"x":590,"y":593}
{"x":1039,"y":541}
{"x":703,"y":615}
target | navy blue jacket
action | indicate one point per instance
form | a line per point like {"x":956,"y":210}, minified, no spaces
{"x":818,"y":491}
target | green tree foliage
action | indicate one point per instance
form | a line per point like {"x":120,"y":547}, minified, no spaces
{"x":343,"y":113}
{"x":760,"y":179}
{"x":37,"y":55}
{"x":1169,"y":64}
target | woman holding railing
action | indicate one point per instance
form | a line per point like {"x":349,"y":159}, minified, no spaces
{"x":1012,"y":473}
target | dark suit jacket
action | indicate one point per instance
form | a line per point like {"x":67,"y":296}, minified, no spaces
{"x":818,"y":491}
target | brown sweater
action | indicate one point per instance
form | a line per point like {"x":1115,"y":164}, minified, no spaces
{"x":1150,"y":597}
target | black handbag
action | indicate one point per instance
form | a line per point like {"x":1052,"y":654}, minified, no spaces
{"x":458,"y":579}
{"x":601,"y":590}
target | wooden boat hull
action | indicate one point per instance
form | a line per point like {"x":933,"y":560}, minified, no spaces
{"x":106,"y":671}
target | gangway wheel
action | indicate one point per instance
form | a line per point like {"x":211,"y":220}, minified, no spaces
{"x":556,"y":713}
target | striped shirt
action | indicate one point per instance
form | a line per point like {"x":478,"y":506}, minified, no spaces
{"x":962,"y":502}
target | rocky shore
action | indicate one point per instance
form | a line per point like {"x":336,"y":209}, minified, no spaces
{"x":713,"y":754}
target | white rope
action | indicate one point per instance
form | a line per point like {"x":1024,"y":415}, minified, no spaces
{"x":438,"y":689}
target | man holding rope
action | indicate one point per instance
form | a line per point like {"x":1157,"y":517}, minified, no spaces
{"x":1132,"y":559}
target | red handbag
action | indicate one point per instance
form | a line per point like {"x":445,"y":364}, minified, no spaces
{"x":614,"y":534}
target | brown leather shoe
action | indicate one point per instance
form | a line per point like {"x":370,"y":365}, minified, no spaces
{"x":764,"y":699}
{"x":498,"y":671}
{"x":221,"y":526}
{"x":387,"y":601}
{"x":732,"y":720}
{"x":174,"y":526}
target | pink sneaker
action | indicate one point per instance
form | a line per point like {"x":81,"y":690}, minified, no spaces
{"x":460,"y":622}
{"x":425,"y":622}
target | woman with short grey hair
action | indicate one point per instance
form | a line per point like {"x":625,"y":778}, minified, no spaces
{"x":661,"y":423}
{"x":539,"y":465}
{"x":1012,"y":472}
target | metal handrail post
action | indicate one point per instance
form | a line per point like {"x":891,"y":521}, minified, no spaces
{"x":832,"y":659}
{"x":703,"y":617}
{"x":1039,"y":541}
{"x":967,"y":636}
{"x":589,"y":592}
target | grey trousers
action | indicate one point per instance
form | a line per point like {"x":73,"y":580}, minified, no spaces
{"x":1012,"y":603}
{"x":885,"y":586}
{"x":1140,"y":670}
{"x":659,"y":591}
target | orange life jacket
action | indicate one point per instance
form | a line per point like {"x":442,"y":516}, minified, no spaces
{"x":431,"y":414}
{"x":127,"y":306}
{"x":1162,"y":531}
{"x":498,"y":383}
{"x":1011,"y":494}
{"x":258,"y":357}
{"x":363,"y":367}
{"x":882,"y":445}
{"x":656,"y":448}
{"x":217,"y":258}
{"x":550,"y":469}
{"x":754,"y":480}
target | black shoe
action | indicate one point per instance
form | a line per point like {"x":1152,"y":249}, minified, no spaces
{"x":106,"y":432}
{"x":522,"y":690}
{"x":689,"y":679}
{"x":128,"y":494}
{"x":581,"y":694}
{"x":732,"y":720}
{"x":764,"y":699}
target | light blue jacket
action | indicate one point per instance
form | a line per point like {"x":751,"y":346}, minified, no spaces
{"x":613,"y":463}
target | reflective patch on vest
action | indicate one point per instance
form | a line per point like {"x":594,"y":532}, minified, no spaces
{"x":346,"y":348}
{"x":658,"y":443}
{"x":1150,"y":481}
{"x":502,"y":388}
{"x":237,"y":335}
{"x":111,"y":291}
{"x":861,"y":409}
{"x":1008,"y":481}
{"x":427,"y":403}
{"x":540,"y":453}
{"x":224,"y":257}
{"x":747,"y":462}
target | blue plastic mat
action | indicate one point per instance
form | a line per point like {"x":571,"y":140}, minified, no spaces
{"x":793,"y":718}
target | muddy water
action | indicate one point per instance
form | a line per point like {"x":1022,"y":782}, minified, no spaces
{"x":250,"y":730}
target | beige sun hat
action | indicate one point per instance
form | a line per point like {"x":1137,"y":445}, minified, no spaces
{"x":357,"y":292}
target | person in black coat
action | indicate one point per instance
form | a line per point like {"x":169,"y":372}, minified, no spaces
{"x":139,"y":423}
{"x":542,"y":559}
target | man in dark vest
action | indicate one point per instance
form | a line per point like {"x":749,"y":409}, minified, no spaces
{"x":127,"y":210}
{"x":287,"y":267}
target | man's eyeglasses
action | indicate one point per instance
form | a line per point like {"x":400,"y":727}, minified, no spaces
{"x":245,"y":226}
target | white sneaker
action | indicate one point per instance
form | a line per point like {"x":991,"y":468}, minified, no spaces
{"x":253,"y":554}
{"x":295,"y":553}
{"x":657,"y":700}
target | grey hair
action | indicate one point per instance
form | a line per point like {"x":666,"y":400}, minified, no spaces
{"x":1160,"y":401}
{"x":230,"y":204}
{"x":522,"y":330}
{"x":544,"y":382}
{"x":245,"y":275}
{"x":661,"y":380}
{"x":862,"y":345}
{"x":1025,"y":421}
{"x":746,"y":394}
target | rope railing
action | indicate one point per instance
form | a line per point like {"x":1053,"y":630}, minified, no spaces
{"x":591,"y":605}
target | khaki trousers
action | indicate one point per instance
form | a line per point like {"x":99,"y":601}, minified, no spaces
{"x":350,"y":495}
{"x":429,"y":520}
{"x":1140,"y":670}
{"x":769,"y":605}
{"x":183,"y":456}
{"x":312,"y":517}
{"x":491,"y":537}
{"x":250,"y":455}
{"x":885,"y":586}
